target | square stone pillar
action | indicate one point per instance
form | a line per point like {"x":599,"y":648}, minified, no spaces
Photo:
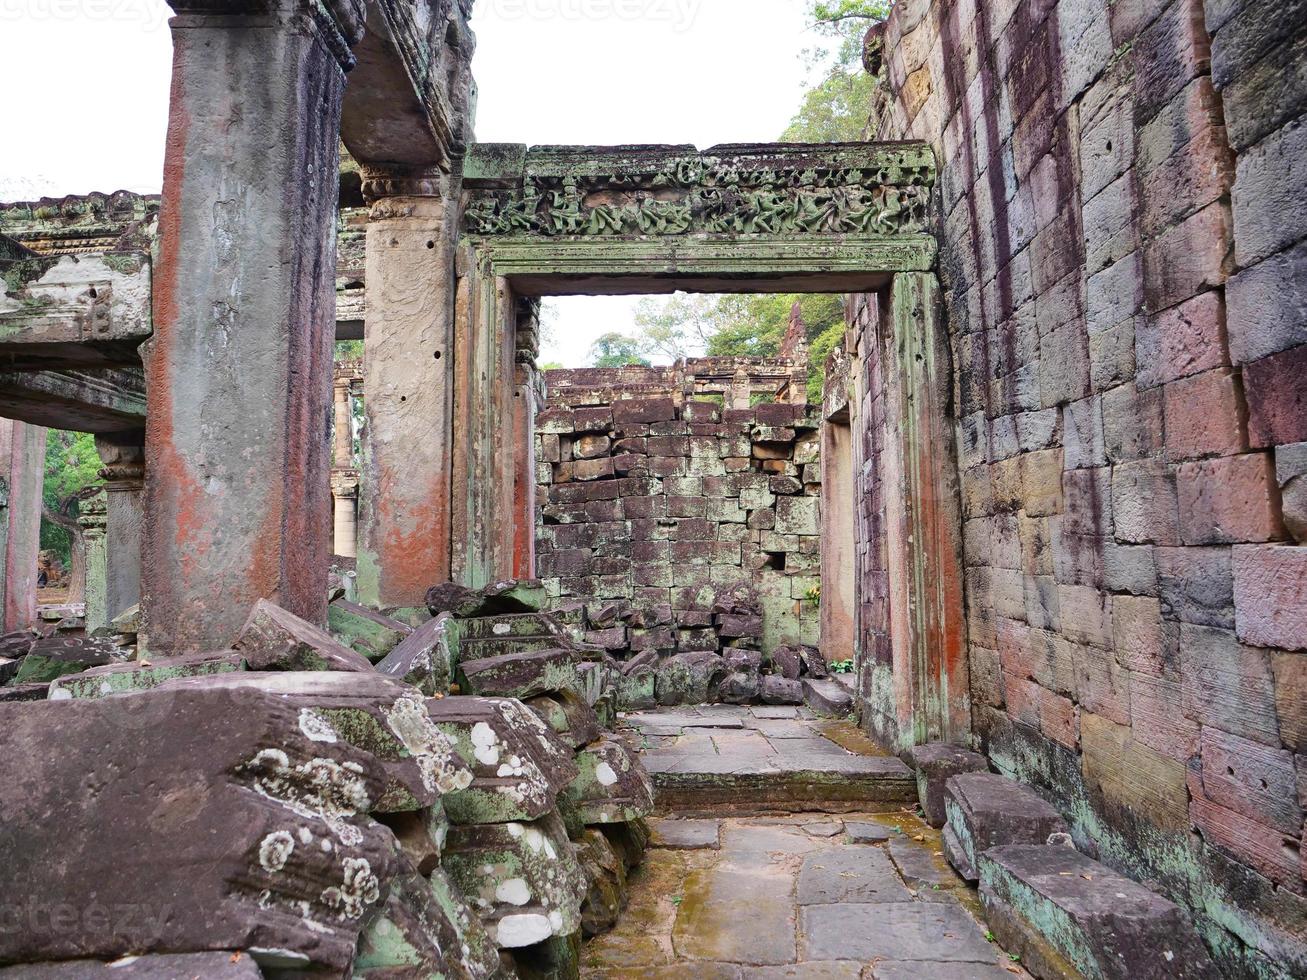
{"x":123,"y":455}
{"x":408,"y":356}
{"x":238,"y":441}
{"x":22,"y":480}
{"x":524,"y":489}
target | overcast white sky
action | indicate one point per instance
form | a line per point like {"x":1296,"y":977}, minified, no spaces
{"x":86,"y":85}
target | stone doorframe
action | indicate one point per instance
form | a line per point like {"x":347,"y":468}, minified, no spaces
{"x":742,"y":218}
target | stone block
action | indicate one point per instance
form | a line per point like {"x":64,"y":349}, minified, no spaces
{"x":1229,"y":500}
{"x":1291,"y":475}
{"x":1270,"y":595}
{"x":425,"y":658}
{"x":780,"y":690}
{"x":291,"y":778}
{"x":1121,"y":772}
{"x":498,"y":598}
{"x":935,"y":764}
{"x":688,"y":678}
{"x":1205,"y":416}
{"x":156,"y":966}
{"x":1276,"y":389}
{"x":610,"y":787}
{"x":1254,"y":780}
{"x":1196,"y":585}
{"x":1269,"y":200}
{"x":1265,"y":306}
{"x":136,"y":676}
{"x":1182,"y":341}
{"x":828,"y":698}
{"x":1227,"y":684}
{"x":520,"y":675}
{"x":1056,"y":908}
{"x":1132,"y":423}
{"x":273,"y":639}
{"x":986,"y":810}
{"x":51,"y":657}
{"x":1188,"y":258}
{"x":523,"y":879}
{"x":591,"y":446}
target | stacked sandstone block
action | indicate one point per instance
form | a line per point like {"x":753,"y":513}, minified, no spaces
{"x":653,"y":512}
{"x":1123,"y":250}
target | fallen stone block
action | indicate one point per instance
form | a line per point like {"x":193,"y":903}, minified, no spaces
{"x":787,"y":662}
{"x":9,"y":669}
{"x":568,"y":715}
{"x":61,"y":654}
{"x":688,"y":678}
{"x":364,"y":630}
{"x":814,"y":664}
{"x":637,"y":685}
{"x":273,"y":639}
{"x":425,"y":928}
{"x":17,"y":644}
{"x":606,"y":874}
{"x":610,"y":787}
{"x":425,"y":658}
{"x":227,"y":816}
{"x":518,"y":765}
{"x":24,"y":692}
{"x":986,"y":810}
{"x":936,"y":763}
{"x":500,"y":598}
{"x":521,"y":675}
{"x":781,"y":690}
{"x":522,"y":879}
{"x":141,"y":675}
{"x":827,"y":697}
{"x":157,"y":966}
{"x":1065,"y":914}
{"x":739,"y":687}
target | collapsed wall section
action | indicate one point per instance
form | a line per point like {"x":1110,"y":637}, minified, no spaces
{"x":655,"y":503}
{"x":1122,"y":250}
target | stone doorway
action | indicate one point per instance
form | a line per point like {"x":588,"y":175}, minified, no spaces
{"x":840,"y":218}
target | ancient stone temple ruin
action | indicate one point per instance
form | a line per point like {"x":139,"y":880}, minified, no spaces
{"x":432,"y":664}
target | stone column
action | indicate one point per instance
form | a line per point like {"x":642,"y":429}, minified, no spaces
{"x":123,"y":455}
{"x":408,"y":354}
{"x":345,"y":493}
{"x":92,"y":517}
{"x":741,"y":393}
{"x":22,"y":480}
{"x":343,"y":444}
{"x":924,"y":532}
{"x":239,"y":368}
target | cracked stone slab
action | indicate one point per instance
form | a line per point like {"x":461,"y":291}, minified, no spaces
{"x":914,"y":931}
{"x":425,"y":658}
{"x":920,"y":865}
{"x":717,"y":901}
{"x":687,"y":835}
{"x":521,"y":675}
{"x":274,"y":639}
{"x":850,"y":874}
{"x":868,"y":833}
{"x":141,"y":675}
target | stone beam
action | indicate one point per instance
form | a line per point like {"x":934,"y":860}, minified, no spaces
{"x":22,"y":479}
{"x":237,"y":497}
{"x":95,"y":400}
{"x":409,"y":100}
{"x":75,"y":311}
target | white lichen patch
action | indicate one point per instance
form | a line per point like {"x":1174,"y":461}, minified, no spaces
{"x":305,"y":835}
{"x":485,"y":744}
{"x":359,"y":889}
{"x":439,"y":765}
{"x":320,"y":788}
{"x":604,"y":773}
{"x":516,"y":931}
{"x":275,"y":850}
{"x":514,"y":891}
{"x":502,"y":629}
{"x":316,"y":727}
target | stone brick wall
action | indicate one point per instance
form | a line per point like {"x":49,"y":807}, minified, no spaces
{"x":1123,"y":203}
{"x":654,"y":498}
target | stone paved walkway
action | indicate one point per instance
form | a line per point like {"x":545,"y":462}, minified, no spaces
{"x":861,"y":895}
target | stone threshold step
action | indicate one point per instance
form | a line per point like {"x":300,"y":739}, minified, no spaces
{"x":868,"y":782}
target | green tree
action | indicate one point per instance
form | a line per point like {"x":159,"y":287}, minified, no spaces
{"x":72,"y":470}
{"x":838,"y":107}
{"x":616,"y":350}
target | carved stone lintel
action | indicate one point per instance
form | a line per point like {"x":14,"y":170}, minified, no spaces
{"x":123,"y":477}
{"x":385,"y":182}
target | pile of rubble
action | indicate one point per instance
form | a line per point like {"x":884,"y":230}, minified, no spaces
{"x":437,"y":794}
{"x":729,"y":668}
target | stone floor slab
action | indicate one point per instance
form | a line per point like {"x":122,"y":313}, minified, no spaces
{"x":686,"y":834}
{"x":919,"y":970}
{"x":923,"y":866}
{"x":774,"y":711}
{"x":850,"y":874}
{"x":806,"y":971}
{"x":914,"y":931}
{"x":735,"y":915}
{"x":868,"y":833}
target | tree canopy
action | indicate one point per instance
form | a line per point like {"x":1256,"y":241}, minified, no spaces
{"x":616,"y":350}
{"x":71,"y":465}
